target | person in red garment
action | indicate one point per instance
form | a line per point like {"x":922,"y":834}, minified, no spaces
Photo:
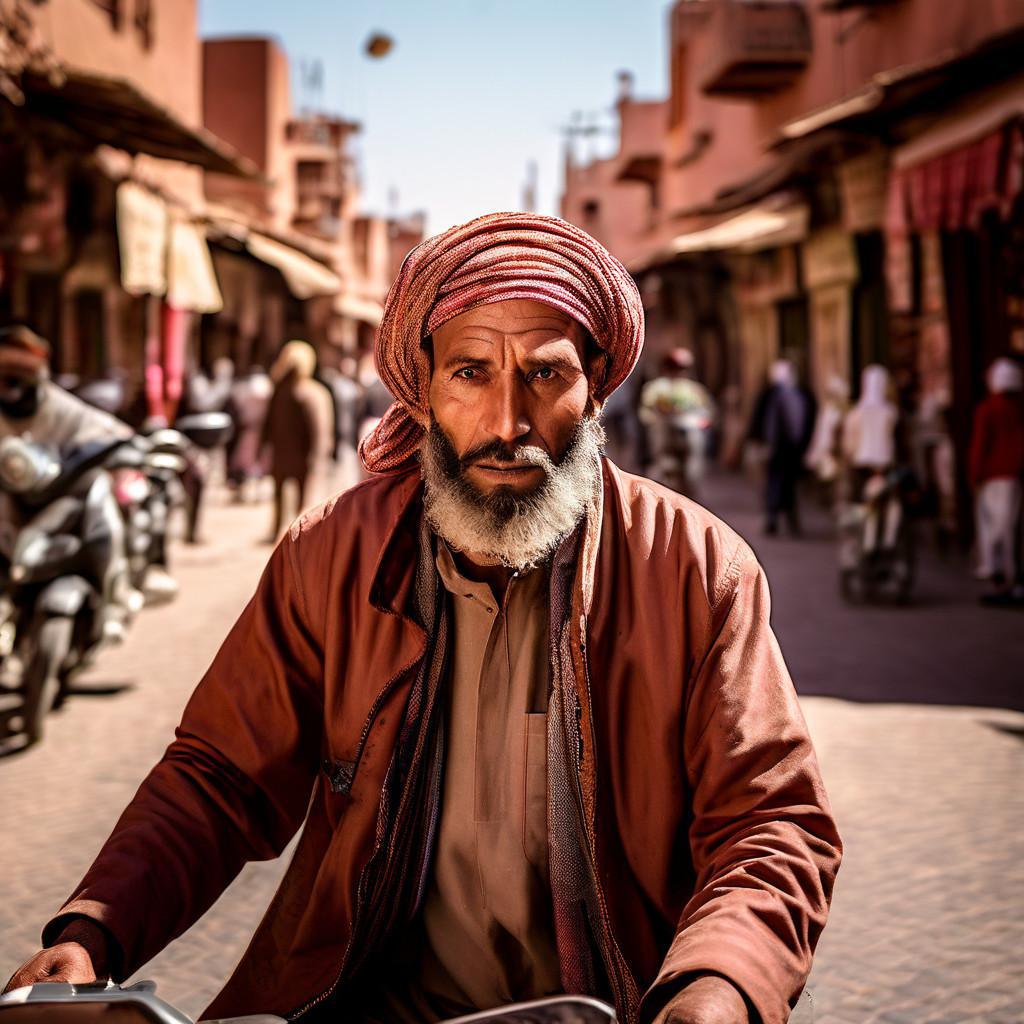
{"x":527,"y":709}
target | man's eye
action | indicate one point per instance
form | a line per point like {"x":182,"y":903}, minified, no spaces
{"x":544,"y":373}
{"x":466,"y":373}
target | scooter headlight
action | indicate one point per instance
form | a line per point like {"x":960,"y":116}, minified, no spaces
{"x":21,"y":469}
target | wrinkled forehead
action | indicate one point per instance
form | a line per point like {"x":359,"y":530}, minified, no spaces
{"x":510,"y":317}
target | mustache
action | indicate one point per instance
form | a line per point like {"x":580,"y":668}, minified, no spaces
{"x":498,"y":451}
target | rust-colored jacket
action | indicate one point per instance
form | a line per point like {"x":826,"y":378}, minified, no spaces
{"x":714,"y":843}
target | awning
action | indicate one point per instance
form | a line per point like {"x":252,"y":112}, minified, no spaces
{"x":354,"y":308}
{"x":751,"y":231}
{"x":191,"y":282}
{"x":304,"y":276}
{"x":142,"y":226}
{"x":106,"y":110}
{"x":786,"y":170}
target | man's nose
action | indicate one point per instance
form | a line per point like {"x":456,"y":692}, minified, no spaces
{"x":507,"y":418}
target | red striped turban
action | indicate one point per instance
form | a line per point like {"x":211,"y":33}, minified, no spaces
{"x":490,"y":259}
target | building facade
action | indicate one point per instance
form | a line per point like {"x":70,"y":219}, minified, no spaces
{"x":839,"y":182}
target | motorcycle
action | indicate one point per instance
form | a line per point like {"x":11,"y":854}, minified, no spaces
{"x":679,"y":442}
{"x":149,"y":477}
{"x":876,"y":541}
{"x":58,"y":1003}
{"x":59,"y":573}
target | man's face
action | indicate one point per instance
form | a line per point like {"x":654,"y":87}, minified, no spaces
{"x":505,"y":376}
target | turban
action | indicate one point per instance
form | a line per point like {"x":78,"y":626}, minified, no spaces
{"x":493,"y":258}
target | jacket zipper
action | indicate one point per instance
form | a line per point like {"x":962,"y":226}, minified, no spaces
{"x":357,"y":914}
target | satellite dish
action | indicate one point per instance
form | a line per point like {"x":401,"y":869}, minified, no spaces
{"x":379,"y":45}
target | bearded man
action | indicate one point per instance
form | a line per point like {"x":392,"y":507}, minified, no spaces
{"x":529,"y":708}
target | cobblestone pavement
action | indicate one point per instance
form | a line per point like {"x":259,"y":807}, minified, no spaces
{"x":925,"y":779}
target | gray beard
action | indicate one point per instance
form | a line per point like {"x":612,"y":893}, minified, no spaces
{"x":519,"y":531}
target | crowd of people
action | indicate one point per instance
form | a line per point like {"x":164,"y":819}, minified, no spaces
{"x":296,"y":424}
{"x":874,"y":465}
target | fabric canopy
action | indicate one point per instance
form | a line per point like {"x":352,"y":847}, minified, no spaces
{"x":304,"y":276}
{"x":364,"y":310}
{"x":142,"y":229}
{"x":191,"y":282}
{"x":757,"y":228}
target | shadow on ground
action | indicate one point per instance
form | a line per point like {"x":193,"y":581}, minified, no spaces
{"x":944,"y":648}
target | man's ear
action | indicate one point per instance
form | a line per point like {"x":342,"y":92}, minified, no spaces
{"x":597,"y":362}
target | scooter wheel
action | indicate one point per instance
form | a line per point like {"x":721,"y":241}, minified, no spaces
{"x":41,"y":681}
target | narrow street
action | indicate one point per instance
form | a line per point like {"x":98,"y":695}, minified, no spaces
{"x":911,"y":709}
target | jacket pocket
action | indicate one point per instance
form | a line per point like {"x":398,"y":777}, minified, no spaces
{"x":535,"y":791}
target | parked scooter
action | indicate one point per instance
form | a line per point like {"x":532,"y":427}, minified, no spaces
{"x":63,"y":592}
{"x":58,"y":1003}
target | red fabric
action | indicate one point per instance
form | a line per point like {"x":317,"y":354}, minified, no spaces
{"x":490,"y":259}
{"x":953,"y":191}
{"x":997,"y":441}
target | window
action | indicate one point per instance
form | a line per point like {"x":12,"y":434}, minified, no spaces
{"x":113,"y":9}
{"x":144,"y":22}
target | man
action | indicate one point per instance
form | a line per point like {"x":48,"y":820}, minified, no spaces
{"x":996,"y":471}
{"x":530,"y":708}
{"x":783,"y":422}
{"x":33,"y":407}
{"x":678,"y":412}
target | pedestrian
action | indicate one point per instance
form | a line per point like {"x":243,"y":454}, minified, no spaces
{"x":782,"y":424}
{"x":248,"y":404}
{"x":871,"y":450}
{"x":996,"y":470}
{"x":529,"y":708}
{"x":298,"y":429}
{"x":678,"y":413}
{"x":824,"y":454}
{"x":348,"y":413}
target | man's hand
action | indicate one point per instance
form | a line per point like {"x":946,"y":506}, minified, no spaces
{"x":78,"y":957}
{"x":707,"y":999}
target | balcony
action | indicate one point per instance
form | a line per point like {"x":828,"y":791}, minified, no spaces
{"x":755,"y":46}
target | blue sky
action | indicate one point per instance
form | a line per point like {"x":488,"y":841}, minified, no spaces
{"x":472,"y":91}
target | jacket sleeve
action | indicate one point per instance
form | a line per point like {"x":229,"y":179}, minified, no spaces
{"x":232,"y":787}
{"x":764,"y":844}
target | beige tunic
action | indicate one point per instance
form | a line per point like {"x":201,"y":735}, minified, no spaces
{"x":487,"y":935}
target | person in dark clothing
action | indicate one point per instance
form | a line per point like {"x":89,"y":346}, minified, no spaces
{"x":783,"y":422}
{"x":298,"y":429}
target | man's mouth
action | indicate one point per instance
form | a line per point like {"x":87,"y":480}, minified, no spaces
{"x":508,"y":469}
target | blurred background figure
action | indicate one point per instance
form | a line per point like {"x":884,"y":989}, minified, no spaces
{"x":678,"y":413}
{"x":824,"y":454}
{"x":248,"y":404}
{"x":210,"y":393}
{"x":33,"y":407}
{"x":782,"y":424}
{"x":299,"y":428}
{"x":619,"y":416}
{"x":876,"y":546}
{"x":348,"y":413}
{"x":996,"y":471}
{"x":869,"y":430}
